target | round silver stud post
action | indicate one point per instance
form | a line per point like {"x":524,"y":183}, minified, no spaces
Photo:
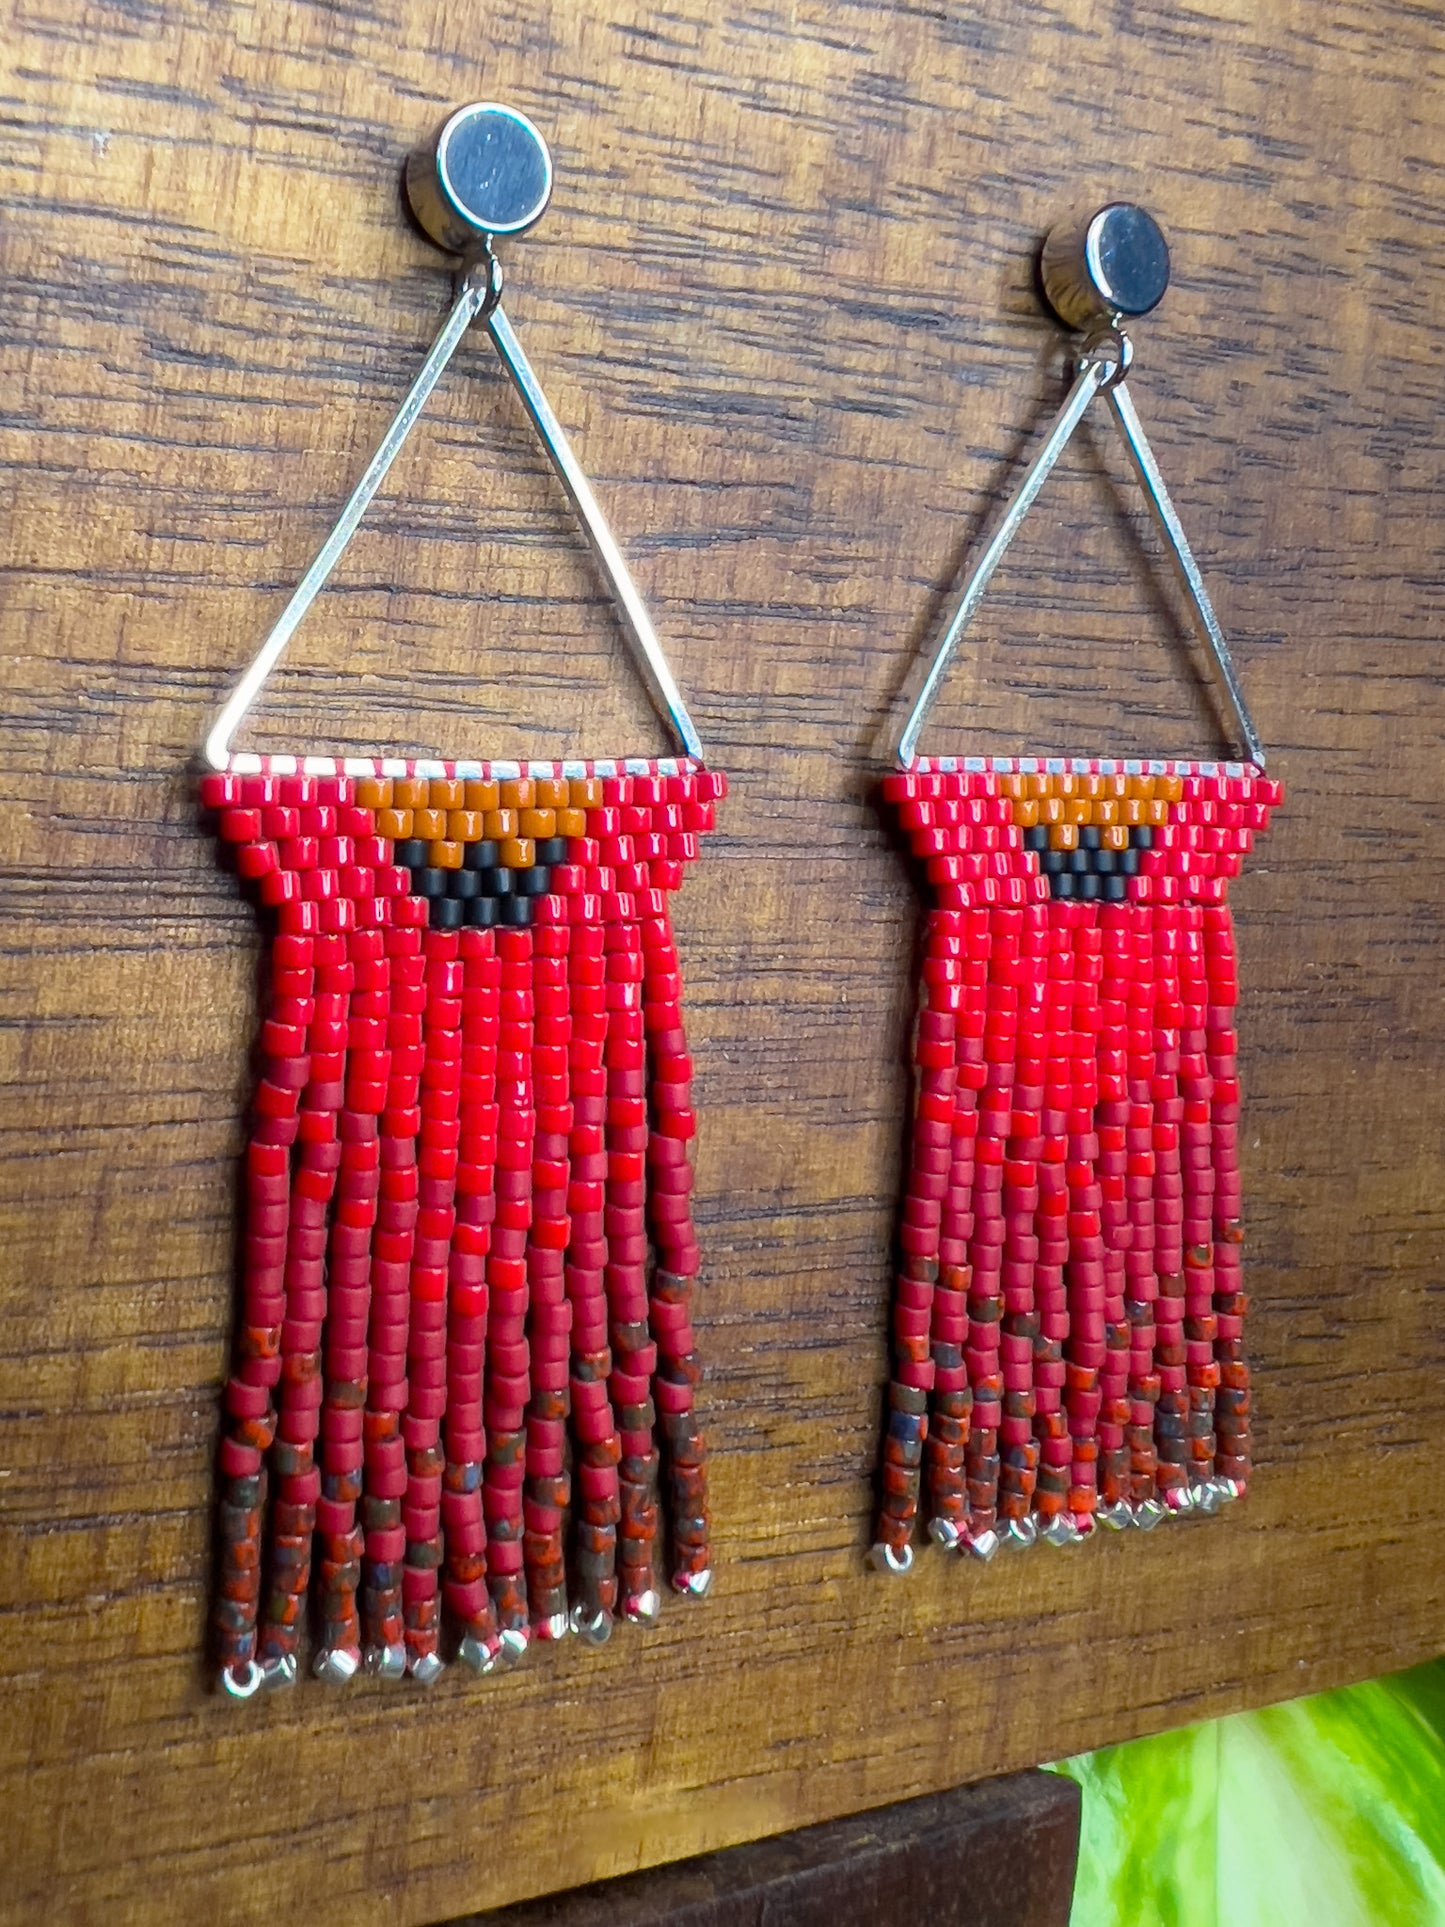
{"x":882,"y":1558}
{"x":1105,"y":266}
{"x":486,"y":171}
{"x":693,"y":1585}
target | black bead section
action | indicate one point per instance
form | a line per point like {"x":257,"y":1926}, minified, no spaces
{"x":429,"y":883}
{"x":465,"y":884}
{"x":516,"y":911}
{"x":532,"y":883}
{"x":481,"y":855}
{"x":447,"y":913}
{"x":552,"y":850}
{"x":1089,"y":873}
{"x":483,"y":912}
{"x":412,"y":852}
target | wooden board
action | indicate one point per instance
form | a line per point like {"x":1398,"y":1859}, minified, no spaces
{"x":784,"y":301}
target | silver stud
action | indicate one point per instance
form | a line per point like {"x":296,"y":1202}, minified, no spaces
{"x":1060,"y":1531}
{"x":1148,"y":1513}
{"x":1181,"y":1500}
{"x":1019,"y":1534}
{"x":882,"y":1558}
{"x":1116,"y":1516}
{"x":337,"y":1665}
{"x":983,"y":1545}
{"x":943,"y":1532}
{"x":642,"y":1608}
{"x":555,"y":1626}
{"x":696,"y":1585}
{"x":1109,"y":264}
{"x":485,"y":171}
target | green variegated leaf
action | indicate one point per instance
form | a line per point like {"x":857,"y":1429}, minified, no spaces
{"x":1325,"y":1812}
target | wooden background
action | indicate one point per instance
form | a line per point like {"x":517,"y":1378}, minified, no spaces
{"x":783,"y":299}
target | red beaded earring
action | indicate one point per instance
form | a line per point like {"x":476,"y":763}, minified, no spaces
{"x":1068,"y":1317}
{"x":464,"y":1328}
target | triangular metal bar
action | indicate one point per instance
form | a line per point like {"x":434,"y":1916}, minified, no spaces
{"x":477,"y":295}
{"x":1096,"y":373}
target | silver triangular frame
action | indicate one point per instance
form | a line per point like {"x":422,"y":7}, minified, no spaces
{"x":1099,"y":371}
{"x":477,"y":298}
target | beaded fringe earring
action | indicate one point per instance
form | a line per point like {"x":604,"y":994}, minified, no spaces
{"x":464,"y":1330}
{"x":1069,"y":1303}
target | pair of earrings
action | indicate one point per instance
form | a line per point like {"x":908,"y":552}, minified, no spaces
{"x":464,"y":1364}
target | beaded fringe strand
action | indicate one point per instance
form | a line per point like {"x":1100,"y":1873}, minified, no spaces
{"x":469,"y":1254}
{"x":1069,"y":1305}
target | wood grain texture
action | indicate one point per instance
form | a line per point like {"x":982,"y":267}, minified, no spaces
{"x":783,"y":299}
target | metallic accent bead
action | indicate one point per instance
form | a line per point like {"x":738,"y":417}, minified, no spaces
{"x":279,"y":1672}
{"x":1181,"y":1500}
{"x":485,"y":171}
{"x":240,"y":1681}
{"x":1060,"y":1530}
{"x":882,"y":1558}
{"x":386,"y":1662}
{"x":514,"y":1643}
{"x":943,"y":1532}
{"x":481,"y":1655}
{"x":1148,"y":1513}
{"x":555,"y":1626}
{"x":1207,"y":1497}
{"x":983,"y":1545}
{"x":1019,"y":1534}
{"x":642,"y":1608}
{"x":1229,"y":1490}
{"x":1116,"y":1516}
{"x":696,"y":1585}
{"x":595,"y":1629}
{"x":337,"y":1665}
{"x":426,"y":1668}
